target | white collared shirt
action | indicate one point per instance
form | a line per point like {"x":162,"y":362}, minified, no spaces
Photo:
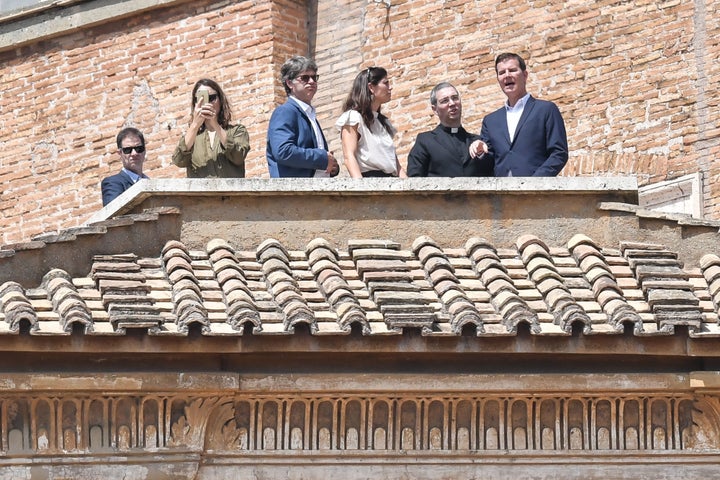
{"x":310,"y":112}
{"x":514,"y":114}
{"x":133,"y":176}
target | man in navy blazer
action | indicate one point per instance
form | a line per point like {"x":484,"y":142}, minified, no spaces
{"x":296,"y":146}
{"x":526,"y":137}
{"x":131,"y":148}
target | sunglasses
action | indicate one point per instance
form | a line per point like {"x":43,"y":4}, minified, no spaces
{"x":306,"y":78}
{"x":128,"y":150}
{"x":211,"y":98}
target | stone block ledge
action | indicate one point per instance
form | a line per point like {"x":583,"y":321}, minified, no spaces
{"x":620,"y":189}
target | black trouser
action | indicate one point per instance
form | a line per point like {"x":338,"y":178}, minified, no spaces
{"x":376,"y":173}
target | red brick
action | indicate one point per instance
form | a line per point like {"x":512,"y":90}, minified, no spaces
{"x":619,"y":71}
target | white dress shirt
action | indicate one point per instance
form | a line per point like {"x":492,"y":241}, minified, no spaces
{"x":310,"y":112}
{"x":514,"y":114}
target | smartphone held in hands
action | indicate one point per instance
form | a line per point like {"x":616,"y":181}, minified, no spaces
{"x":202,"y":97}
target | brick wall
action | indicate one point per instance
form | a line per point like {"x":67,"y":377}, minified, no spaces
{"x":636,"y":82}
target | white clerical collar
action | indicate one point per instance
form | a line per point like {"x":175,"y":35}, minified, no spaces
{"x":450,"y":129}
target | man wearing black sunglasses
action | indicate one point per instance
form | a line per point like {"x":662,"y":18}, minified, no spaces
{"x":131,"y":148}
{"x":296,"y":146}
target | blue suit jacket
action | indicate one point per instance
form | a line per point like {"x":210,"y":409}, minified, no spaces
{"x":114,"y":185}
{"x":540,"y":147}
{"x":292,"y":150}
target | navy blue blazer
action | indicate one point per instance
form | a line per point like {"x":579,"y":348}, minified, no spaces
{"x":114,"y":185}
{"x":292,"y":150}
{"x":540,"y":147}
{"x":434,"y":154}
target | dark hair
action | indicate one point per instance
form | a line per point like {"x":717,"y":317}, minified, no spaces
{"x":293,"y":67}
{"x":507,"y":56}
{"x":125,"y":132}
{"x":360,"y":98}
{"x":437,"y":88}
{"x":224,"y":115}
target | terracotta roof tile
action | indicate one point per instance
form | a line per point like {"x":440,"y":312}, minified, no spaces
{"x":16,"y":307}
{"x":378,"y":287}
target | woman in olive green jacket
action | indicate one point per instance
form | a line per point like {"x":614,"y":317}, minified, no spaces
{"x":212,"y":146}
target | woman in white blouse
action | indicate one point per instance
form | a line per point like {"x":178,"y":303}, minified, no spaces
{"x":366,"y":134}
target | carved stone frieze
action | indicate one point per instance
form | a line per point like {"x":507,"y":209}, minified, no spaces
{"x":68,"y":424}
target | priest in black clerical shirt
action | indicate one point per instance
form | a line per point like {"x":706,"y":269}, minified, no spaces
{"x":443,"y":152}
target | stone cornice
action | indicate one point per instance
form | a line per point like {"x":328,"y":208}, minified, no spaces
{"x":52,"y":19}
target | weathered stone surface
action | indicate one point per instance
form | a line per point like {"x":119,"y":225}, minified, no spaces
{"x":357,"y":351}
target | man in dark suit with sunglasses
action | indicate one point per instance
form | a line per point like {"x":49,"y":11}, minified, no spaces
{"x":296,"y":146}
{"x":131,"y":148}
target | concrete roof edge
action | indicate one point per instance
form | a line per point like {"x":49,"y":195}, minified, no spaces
{"x":146,"y":188}
{"x":29,"y":25}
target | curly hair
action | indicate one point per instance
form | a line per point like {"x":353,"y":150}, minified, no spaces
{"x":293,"y":67}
